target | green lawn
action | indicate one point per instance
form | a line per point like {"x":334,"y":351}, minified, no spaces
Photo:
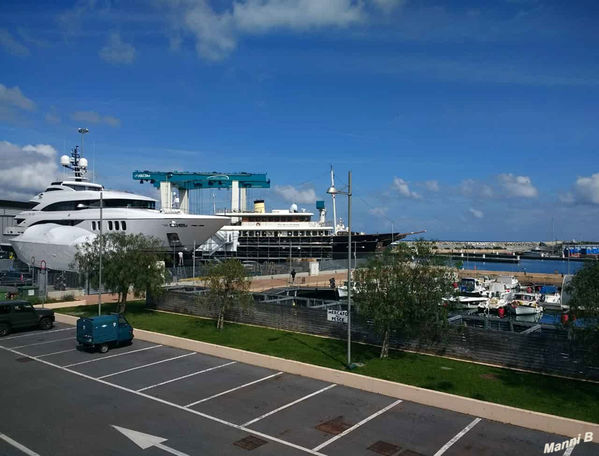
{"x":557,"y":396}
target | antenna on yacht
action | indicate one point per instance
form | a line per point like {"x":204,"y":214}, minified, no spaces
{"x":76,"y":162}
{"x":334,"y":206}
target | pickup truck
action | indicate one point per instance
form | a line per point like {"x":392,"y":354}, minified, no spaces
{"x":104,"y":331}
{"x":22,"y":315}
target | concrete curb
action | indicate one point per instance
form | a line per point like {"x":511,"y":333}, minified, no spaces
{"x":60,"y":305}
{"x":496,"y":412}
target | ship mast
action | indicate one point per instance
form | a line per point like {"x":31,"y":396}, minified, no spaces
{"x":334,"y":207}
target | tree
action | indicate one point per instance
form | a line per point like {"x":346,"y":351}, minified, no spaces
{"x":128,"y":261}
{"x":402,"y":290}
{"x":228,"y":285}
{"x":584,"y":306}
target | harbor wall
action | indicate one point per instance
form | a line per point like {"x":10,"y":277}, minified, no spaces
{"x":546,"y":350}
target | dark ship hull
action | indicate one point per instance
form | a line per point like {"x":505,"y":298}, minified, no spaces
{"x":282,"y":248}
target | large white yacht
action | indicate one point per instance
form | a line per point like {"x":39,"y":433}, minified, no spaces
{"x":67,"y":213}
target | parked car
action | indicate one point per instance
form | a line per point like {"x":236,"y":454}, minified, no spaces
{"x":104,"y":331}
{"x":21,"y":315}
{"x":15,"y":278}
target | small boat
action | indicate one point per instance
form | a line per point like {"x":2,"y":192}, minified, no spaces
{"x":551,"y":299}
{"x":525,"y":304}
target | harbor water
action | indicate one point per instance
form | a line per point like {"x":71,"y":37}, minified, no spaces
{"x":527,"y":265}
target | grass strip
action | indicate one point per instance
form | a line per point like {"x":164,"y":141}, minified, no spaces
{"x":541,"y":393}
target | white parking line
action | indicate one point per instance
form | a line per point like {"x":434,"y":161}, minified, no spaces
{"x":147,"y":365}
{"x":58,"y":352}
{"x":233,"y":389}
{"x":42,"y":343}
{"x":37,"y":333}
{"x":356,"y":426}
{"x":457,"y":437}
{"x":112,"y":356}
{"x":186,"y":376}
{"x":297,"y":401}
{"x":172,"y":404}
{"x":17,"y":445}
{"x":569,"y":451}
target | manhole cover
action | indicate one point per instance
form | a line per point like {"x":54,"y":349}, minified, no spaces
{"x":488,"y":376}
{"x":250,"y":442}
{"x":384,"y":448}
{"x":334,"y":426}
{"x":24,"y":359}
{"x":409,"y":453}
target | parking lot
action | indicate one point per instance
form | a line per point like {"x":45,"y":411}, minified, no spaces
{"x":152,"y":399}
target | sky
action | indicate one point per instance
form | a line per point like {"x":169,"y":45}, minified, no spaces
{"x":472,"y":120}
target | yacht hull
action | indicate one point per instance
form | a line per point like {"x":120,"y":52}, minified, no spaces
{"x":56,"y":244}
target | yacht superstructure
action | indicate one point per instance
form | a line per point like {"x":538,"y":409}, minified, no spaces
{"x":68,"y":213}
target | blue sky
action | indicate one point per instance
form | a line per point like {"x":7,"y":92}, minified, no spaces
{"x":473,"y":120}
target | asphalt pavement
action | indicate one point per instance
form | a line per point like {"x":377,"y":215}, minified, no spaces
{"x":148,"y":399}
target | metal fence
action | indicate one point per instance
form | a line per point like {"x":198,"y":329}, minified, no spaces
{"x":545,"y":349}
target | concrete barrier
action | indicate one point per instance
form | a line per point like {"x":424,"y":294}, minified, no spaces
{"x":496,"y":412}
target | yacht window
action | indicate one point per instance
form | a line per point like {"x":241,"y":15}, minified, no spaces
{"x":123,"y":225}
{"x":94,"y":225}
{"x":117,"y":225}
{"x":50,"y":189}
{"x":110,"y":225}
{"x":81,"y":187}
{"x":107,"y":203}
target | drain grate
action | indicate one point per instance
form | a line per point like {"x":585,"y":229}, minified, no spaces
{"x":334,"y":426}
{"x":250,"y":442}
{"x":384,"y":448}
{"x":24,"y":359}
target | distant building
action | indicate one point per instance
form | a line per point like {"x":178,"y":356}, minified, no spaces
{"x":8,"y":210}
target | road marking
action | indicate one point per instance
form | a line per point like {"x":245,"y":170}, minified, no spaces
{"x":17,"y":445}
{"x":37,"y":333}
{"x":171,"y":404}
{"x":356,"y":426}
{"x":233,"y":389}
{"x":186,"y":376}
{"x":145,"y":441}
{"x":147,"y":365}
{"x":112,"y":356}
{"x":457,"y":437}
{"x":297,"y":401}
{"x":42,"y":343}
{"x":57,"y":353}
{"x":569,"y":451}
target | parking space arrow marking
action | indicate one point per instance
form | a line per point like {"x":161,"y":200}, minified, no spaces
{"x":145,"y":441}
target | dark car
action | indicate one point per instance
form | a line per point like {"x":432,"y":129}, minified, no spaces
{"x":22,"y":315}
{"x":15,"y":278}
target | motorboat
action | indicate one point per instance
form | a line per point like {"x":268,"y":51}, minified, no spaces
{"x":525,"y":304}
{"x":73,"y":211}
{"x":551,"y":299}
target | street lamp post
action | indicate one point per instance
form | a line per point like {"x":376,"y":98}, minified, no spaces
{"x":333,"y":191}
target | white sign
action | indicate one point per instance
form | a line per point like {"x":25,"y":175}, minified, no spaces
{"x":339,"y":316}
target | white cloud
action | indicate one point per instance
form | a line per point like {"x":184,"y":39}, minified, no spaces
{"x":517,"y":186}
{"x":402,"y":187}
{"x":217,"y":32}
{"x":117,"y":51}
{"x":15,"y":98}
{"x":8,"y":42}
{"x":26,"y":170}
{"x":294,"y":195}
{"x":474,"y":188}
{"x":587,"y":189}
{"x":432,"y":185}
{"x":476,"y":213}
{"x":95,"y":118}
{"x":378,"y":211}
{"x":388,"y":5}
